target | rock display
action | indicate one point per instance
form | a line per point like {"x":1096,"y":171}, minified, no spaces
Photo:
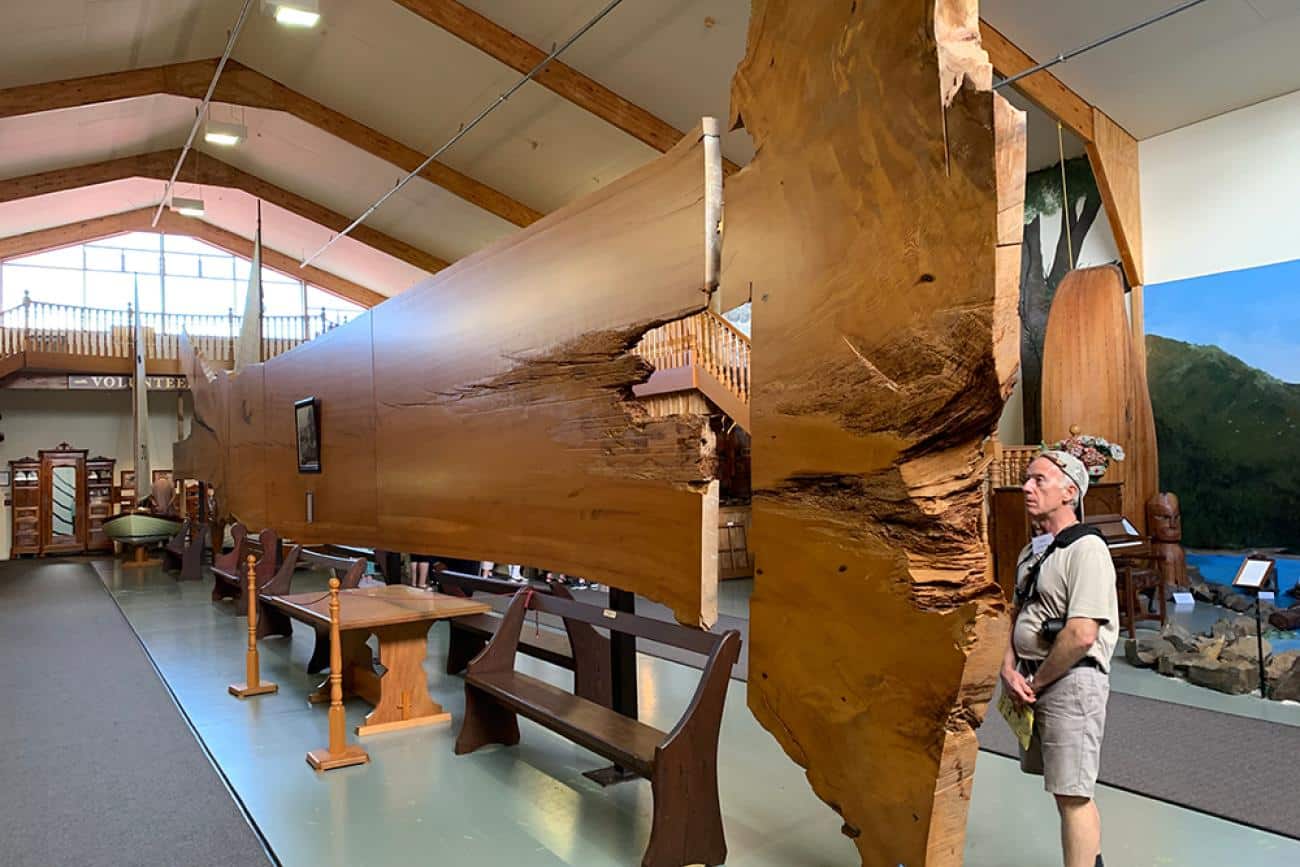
{"x":1225,"y":659}
{"x":1285,"y":619}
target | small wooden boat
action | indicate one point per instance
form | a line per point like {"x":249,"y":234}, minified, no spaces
{"x":139,"y":527}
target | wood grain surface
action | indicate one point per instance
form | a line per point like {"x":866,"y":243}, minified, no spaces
{"x":487,"y":413}
{"x":884,"y":346}
{"x":369,"y":607}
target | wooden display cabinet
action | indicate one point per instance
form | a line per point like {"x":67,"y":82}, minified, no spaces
{"x":25,"y":508}
{"x":99,"y":502}
{"x":63,"y":500}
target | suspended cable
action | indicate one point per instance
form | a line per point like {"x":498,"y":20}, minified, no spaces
{"x":1067,"y":210}
{"x":202,"y":109}
{"x":555,"y":52}
{"x":1061,"y":58}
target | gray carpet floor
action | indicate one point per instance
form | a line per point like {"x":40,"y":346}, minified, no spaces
{"x":1234,"y":767}
{"x":98,"y":767}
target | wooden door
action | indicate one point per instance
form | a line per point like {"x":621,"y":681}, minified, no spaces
{"x":63,"y":501}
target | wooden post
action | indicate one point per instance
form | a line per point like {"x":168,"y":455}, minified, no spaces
{"x":253,"y":684}
{"x":339,"y":754}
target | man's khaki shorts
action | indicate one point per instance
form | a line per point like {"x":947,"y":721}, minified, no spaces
{"x":1069,"y":720}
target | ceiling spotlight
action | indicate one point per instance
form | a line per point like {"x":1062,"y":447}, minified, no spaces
{"x":295,"y":13}
{"x":221,"y":133}
{"x":187,"y":207}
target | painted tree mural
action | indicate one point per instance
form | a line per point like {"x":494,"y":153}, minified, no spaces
{"x":1043,"y":198}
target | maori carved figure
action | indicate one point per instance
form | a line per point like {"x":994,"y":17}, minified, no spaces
{"x":879,"y":227}
{"x":1165,"y":524}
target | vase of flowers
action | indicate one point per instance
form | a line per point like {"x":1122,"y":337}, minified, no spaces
{"x":1096,"y":453}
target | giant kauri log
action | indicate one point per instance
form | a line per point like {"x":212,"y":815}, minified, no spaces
{"x":878,"y":227}
{"x":487,"y":413}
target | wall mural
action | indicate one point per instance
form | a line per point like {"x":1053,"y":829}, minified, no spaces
{"x":1041,"y":274}
{"x":1224,"y":370}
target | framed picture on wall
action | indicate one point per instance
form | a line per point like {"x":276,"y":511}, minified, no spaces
{"x":307,"y":424}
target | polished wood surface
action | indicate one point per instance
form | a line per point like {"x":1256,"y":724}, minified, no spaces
{"x":487,"y":413}
{"x":368,"y":607}
{"x":400,"y":617}
{"x":884,"y":347}
{"x":1092,"y":381}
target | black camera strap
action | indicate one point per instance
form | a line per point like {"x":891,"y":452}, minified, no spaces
{"x":1064,"y":539}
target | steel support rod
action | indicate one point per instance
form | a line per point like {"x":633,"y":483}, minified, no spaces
{"x":202,"y":110}
{"x":1061,"y":58}
{"x":555,"y":52}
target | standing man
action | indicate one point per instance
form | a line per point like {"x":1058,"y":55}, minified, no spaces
{"x":1066,"y":624}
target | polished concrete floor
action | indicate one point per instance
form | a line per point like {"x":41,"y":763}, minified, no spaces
{"x":530,"y":805}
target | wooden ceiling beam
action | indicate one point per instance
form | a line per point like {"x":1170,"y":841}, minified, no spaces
{"x":1112,"y":151}
{"x":95,"y":228}
{"x":522,"y":56}
{"x":205,"y":169}
{"x":240,"y":85}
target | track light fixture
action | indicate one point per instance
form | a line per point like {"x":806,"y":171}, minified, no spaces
{"x":294,"y":13}
{"x":187,"y":207}
{"x":223,"y":133}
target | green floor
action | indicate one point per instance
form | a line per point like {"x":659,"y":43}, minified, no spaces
{"x":530,"y":805}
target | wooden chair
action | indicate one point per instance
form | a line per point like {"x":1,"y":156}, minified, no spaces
{"x":271,"y":620}
{"x":580,"y":648}
{"x":1133,"y":576}
{"x":681,"y":765}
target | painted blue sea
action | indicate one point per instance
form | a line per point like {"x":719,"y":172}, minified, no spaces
{"x":1221,"y":568}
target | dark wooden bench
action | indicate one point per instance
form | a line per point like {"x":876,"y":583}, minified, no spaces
{"x":349,"y":571}
{"x":271,"y":620}
{"x":228,"y":565}
{"x":230,"y":573}
{"x":590,"y":663}
{"x":183,"y":552}
{"x":682,"y":765}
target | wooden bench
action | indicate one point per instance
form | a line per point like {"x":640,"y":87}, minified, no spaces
{"x":225,"y":567}
{"x":184,"y":551}
{"x":590,"y":663}
{"x":349,"y":571}
{"x":682,"y":765}
{"x":230,"y":573}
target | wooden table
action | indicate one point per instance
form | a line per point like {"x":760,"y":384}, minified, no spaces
{"x":400,"y":616}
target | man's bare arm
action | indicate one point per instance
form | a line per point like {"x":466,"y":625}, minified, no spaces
{"x":1072,"y":645}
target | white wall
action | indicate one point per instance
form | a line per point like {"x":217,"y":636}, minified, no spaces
{"x":1221,"y":195}
{"x":96,"y":420}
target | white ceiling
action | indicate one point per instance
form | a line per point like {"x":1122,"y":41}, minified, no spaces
{"x":386,"y":67}
{"x":1213,"y":58}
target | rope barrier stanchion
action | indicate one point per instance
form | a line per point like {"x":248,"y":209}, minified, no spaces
{"x":339,"y":753}
{"x":253,"y":684}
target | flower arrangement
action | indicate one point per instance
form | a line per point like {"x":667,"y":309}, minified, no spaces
{"x":1095,"y":452}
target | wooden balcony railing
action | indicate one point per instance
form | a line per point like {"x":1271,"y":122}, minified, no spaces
{"x":711,"y":349}
{"x":39,"y":327}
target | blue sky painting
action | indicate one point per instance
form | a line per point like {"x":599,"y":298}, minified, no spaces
{"x":1253,"y":314}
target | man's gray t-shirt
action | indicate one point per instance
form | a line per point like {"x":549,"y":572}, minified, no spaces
{"x":1076,"y":581}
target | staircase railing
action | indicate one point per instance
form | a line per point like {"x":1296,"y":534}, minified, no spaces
{"x":38,"y":326}
{"x":705,"y":340}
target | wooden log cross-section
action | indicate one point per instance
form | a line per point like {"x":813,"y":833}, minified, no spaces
{"x":877,"y":227}
{"x":488,"y":413}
